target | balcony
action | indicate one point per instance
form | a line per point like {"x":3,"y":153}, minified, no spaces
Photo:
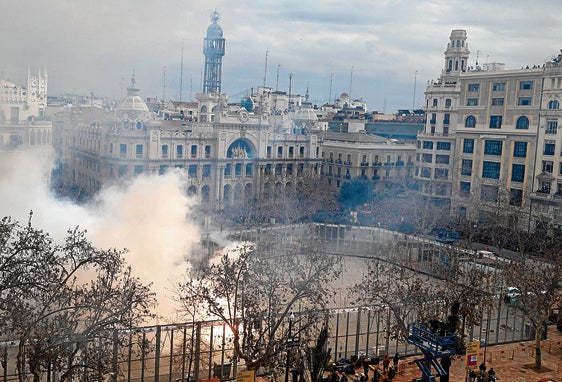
{"x":330,"y":160}
{"x":338,"y":161}
{"x":364,"y":164}
{"x":432,"y":121}
{"x":347,"y":163}
{"x":375,"y":177}
{"x":399,"y":163}
{"x":389,"y":164}
{"x":445,"y":121}
{"x":377,"y":164}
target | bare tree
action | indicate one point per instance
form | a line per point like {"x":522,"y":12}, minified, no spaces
{"x":538,"y":278}
{"x":64,"y":302}
{"x":254,"y":290}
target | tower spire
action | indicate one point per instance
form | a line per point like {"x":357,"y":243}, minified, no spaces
{"x":213,"y":49}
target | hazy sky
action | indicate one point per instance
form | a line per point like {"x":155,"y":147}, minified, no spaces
{"x":93,"y":46}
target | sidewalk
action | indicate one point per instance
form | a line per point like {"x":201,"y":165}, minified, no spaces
{"x":512,"y":362}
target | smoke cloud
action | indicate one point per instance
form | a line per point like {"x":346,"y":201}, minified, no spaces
{"x":150,"y":217}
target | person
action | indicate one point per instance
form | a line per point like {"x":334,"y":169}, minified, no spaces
{"x":366,"y":366}
{"x":391,"y":373}
{"x":356,"y":378}
{"x":395,"y":360}
{"x":363,"y":378}
{"x":386,"y":362}
{"x":343,"y":377}
{"x":376,"y":375}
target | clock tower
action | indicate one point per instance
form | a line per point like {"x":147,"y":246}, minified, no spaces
{"x":213,"y":49}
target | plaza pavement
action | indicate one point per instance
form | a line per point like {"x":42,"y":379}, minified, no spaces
{"x":512,"y":362}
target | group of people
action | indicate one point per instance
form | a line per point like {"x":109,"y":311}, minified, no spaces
{"x":346,"y":371}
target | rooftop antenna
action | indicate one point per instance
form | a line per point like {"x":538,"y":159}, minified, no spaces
{"x":265,"y":70}
{"x":164,"y":85}
{"x":330,"y":95}
{"x":277,"y":82}
{"x":414,"y":99}
{"x":181,"y":70}
{"x":191,"y":87}
{"x":290,"y":83}
{"x":350,"y":83}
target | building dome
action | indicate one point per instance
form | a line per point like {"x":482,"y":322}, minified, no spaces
{"x":214,"y":30}
{"x":133,"y":104}
{"x":305,"y":114}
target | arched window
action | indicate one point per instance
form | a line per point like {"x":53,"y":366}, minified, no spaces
{"x":470,"y":121}
{"x":522,"y":123}
{"x":554,"y":105}
{"x":435,"y":102}
{"x":448,"y":102}
{"x":203,"y":109}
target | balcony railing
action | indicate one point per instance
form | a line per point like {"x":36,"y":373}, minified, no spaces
{"x":347,"y":163}
{"x":400,"y":163}
{"x":364,"y":164}
{"x":377,"y":164}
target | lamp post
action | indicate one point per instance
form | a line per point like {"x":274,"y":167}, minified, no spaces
{"x":289,"y":345}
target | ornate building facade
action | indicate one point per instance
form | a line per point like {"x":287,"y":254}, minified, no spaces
{"x":490,"y":143}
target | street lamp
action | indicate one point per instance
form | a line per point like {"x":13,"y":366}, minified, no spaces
{"x":289,"y":345}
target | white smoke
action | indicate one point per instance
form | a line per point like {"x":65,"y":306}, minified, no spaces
{"x":150,"y":217}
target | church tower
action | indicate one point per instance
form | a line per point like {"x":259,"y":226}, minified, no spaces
{"x":213,"y":49}
{"x":456,"y":55}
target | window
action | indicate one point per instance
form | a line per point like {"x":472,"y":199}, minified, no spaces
{"x":560,"y":169}
{"x":441,"y":173}
{"x":444,"y":146}
{"x":470,"y":121}
{"x":549,"y":147}
{"x":249,"y":169}
{"x":495,"y":122}
{"x":123,"y":149}
{"x":192,"y":170}
{"x":433,"y":118}
{"x":448,"y":102}
{"x":493,"y":147}
{"x":179,"y":151}
{"x":268,"y":152}
{"x":466,"y":168}
{"x":498,"y":86}
{"x":122,"y":170}
{"x":517,"y":173}
{"x":472,"y":102}
{"x":425,"y":172}
{"x":301,"y":151}
{"x":434,"y":102}
{"x":427,"y":158}
{"x":238,"y":169}
{"x":291,"y":151}
{"x":208,"y":151}
{"x":524,"y":101}
{"x":446,"y":119}
{"x":520,"y":149}
{"x":442,"y":159}
{"x":280,"y":152}
{"x":428,"y":145}
{"x":491,"y":170}
{"x":497,"y":101}
{"x":468,"y":146}
{"x":206,"y":170}
{"x":111,"y":147}
{"x":551,"y":127}
{"x":138,"y":169}
{"x":522,"y":123}
{"x":489,"y":193}
{"x":164,"y":151}
{"x":515,"y":197}
{"x":547,"y":166}
{"x":465,"y":189}
{"x":194,"y":151}
{"x":138,"y":150}
{"x":473,"y":87}
{"x":554,"y":105}
{"x":228,"y":169}
{"x":525,"y":85}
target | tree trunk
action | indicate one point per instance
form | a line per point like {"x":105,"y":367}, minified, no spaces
{"x":538,"y":336}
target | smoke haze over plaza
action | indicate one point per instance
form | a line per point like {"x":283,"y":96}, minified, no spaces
{"x":378,"y":50}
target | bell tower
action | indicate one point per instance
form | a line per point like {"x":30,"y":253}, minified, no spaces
{"x":213,"y":49}
{"x":456,"y":55}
